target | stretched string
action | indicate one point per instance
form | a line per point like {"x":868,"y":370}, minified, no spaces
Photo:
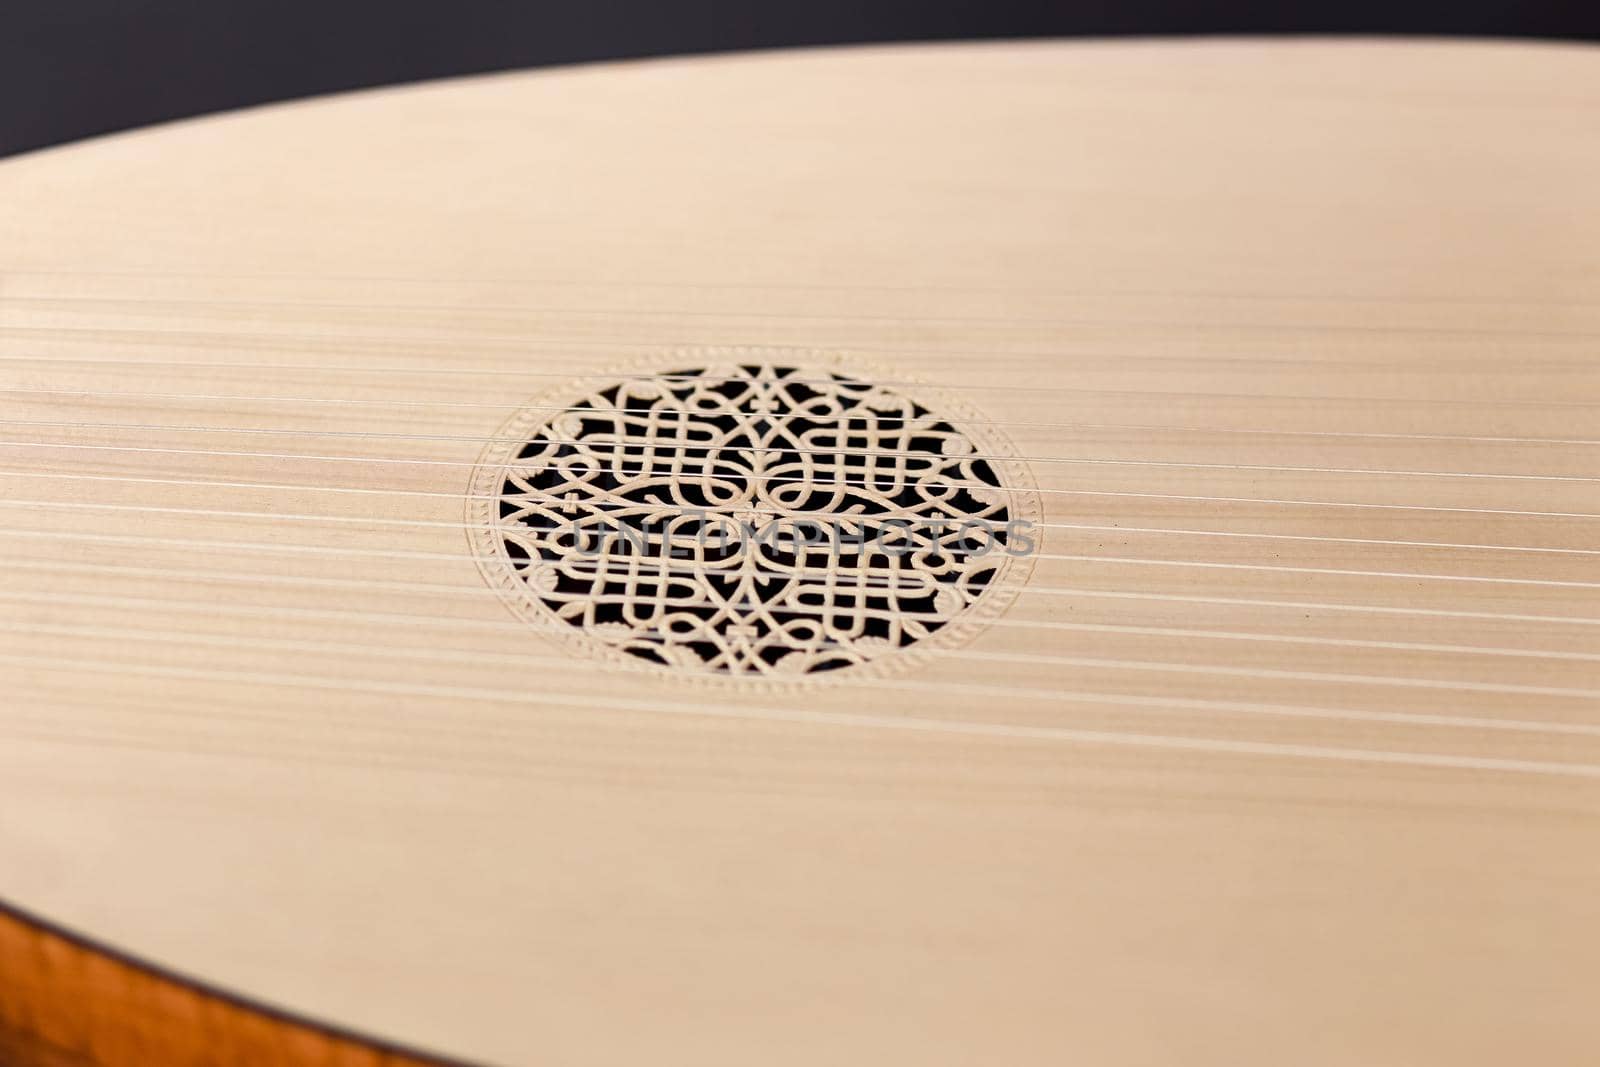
{"x":567,"y":282}
{"x":556,"y":503}
{"x":729,"y":476}
{"x":617,"y":313}
{"x":480,"y":593}
{"x":530,"y":661}
{"x":895,"y":722}
{"x":368,"y":490}
{"x":1015,"y":658}
{"x":432,"y":345}
{"x":690,"y":349}
{"x":475,"y":592}
{"x":382,"y":553}
{"x":1154,"y":666}
{"x":1075,"y":526}
{"x":784,"y":417}
{"x":1044,"y":591}
{"x":564,"y":282}
{"x":919,"y":318}
{"x":753,"y":712}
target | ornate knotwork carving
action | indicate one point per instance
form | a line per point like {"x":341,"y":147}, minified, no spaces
{"x":751,"y":519}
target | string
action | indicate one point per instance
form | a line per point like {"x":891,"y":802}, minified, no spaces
{"x":483,"y":593}
{"x":260,"y":431}
{"x":1151,"y":631}
{"x":1154,"y":666}
{"x":918,"y":319}
{"x":691,"y":349}
{"x":784,"y":417}
{"x":431,"y":345}
{"x":434,"y":589}
{"x":382,"y":553}
{"x":1057,"y":735}
{"x":553,"y":503}
{"x":751,"y":712}
{"x":563,"y":282}
{"x":525,"y":660}
{"x":368,"y":490}
{"x":1020,"y":658}
{"x":568,"y":282}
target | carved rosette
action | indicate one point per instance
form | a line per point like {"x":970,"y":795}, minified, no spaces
{"x":745,"y":515}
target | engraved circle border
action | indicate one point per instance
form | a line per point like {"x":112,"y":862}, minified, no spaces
{"x":498,"y":569}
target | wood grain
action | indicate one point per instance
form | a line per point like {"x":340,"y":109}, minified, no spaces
{"x":69,"y":1004}
{"x":1285,"y":753}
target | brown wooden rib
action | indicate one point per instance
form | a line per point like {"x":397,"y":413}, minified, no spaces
{"x":64,"y":1003}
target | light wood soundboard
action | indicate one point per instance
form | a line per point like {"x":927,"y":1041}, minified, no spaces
{"x":1281,"y":746}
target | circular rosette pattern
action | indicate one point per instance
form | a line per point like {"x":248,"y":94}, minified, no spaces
{"x":749,"y":520}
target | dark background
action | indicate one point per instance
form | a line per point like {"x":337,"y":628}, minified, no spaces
{"x":75,"y":68}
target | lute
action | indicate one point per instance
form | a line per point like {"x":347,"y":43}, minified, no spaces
{"x":1008,"y":553}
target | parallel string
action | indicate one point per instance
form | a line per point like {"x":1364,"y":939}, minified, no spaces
{"x":729,"y":476}
{"x":525,"y":660}
{"x":753,"y":712}
{"x":784,"y":417}
{"x":435,"y":589}
{"x":553,"y":503}
{"x":613,"y":374}
{"x":743,"y":710}
{"x":1012,"y":658}
{"x":918,"y":319}
{"x":1115,"y":494}
{"x":378,"y":553}
{"x":740,"y":285}
{"x":483,"y":592}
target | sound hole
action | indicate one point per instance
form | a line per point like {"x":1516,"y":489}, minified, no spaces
{"x":751,"y":520}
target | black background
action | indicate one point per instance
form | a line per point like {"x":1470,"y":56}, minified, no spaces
{"x":74,"y":68}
